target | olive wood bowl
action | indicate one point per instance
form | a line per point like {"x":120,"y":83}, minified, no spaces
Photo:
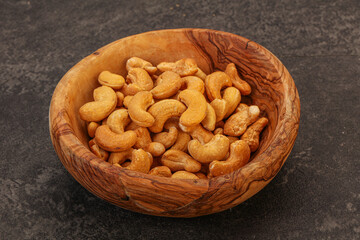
{"x":273,"y":90}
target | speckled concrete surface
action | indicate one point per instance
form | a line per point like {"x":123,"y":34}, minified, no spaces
{"x":315,"y":196}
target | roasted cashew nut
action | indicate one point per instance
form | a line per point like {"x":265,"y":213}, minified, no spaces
{"x":240,"y":84}
{"x":144,"y":141}
{"x":181,"y":142}
{"x":196,"y":110}
{"x":219,"y":131}
{"x":215,"y":149}
{"x":239,"y":156}
{"x":105,"y":102}
{"x":139,"y":80}
{"x":114,"y":142}
{"x":140,"y":161}
{"x":210,"y":118}
{"x":199,"y":133}
{"x":112,"y":80}
{"x":252,"y":134}
{"x":161,"y":171}
{"x":127,"y":100}
{"x":177,"y":160}
{"x":184,"y":175}
{"x":168,"y":83}
{"x":117,"y":120}
{"x":233,"y":97}
{"x":137,"y":109}
{"x":220,"y":107}
{"x":237,"y":123}
{"x":166,"y":138}
{"x":120,"y":98}
{"x":120,"y":157}
{"x":99,"y":152}
{"x":183,"y":67}
{"x":193,"y":82}
{"x":214,"y":83}
{"x":163,"y":110}
{"x":91,"y":128}
{"x":136,"y":62}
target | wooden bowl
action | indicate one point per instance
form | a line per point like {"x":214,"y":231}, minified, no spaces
{"x":273,"y":90}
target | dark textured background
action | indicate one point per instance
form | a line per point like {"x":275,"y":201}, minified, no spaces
{"x":315,"y":196}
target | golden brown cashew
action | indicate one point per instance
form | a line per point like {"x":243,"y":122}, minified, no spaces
{"x":120,"y":157}
{"x":220,"y":107}
{"x":184,"y":175}
{"x":233,"y":97}
{"x":215,"y":149}
{"x":144,"y":141}
{"x":99,"y":152}
{"x":181,"y":142}
{"x":166,"y":138}
{"x":237,"y":123}
{"x":127,"y":101}
{"x":117,"y":120}
{"x":137,"y":109}
{"x":120,"y":98}
{"x":177,"y":160}
{"x":105,"y":102}
{"x":183,"y":67}
{"x":199,"y":133}
{"x":192,"y":82}
{"x":140,"y":161}
{"x":210,"y":118}
{"x":214,"y":83}
{"x":252,"y":134}
{"x":112,"y":80}
{"x":91,"y":128}
{"x":239,"y":156}
{"x":161,"y":171}
{"x":196,"y":110}
{"x":136,"y":62}
{"x":163,"y":110}
{"x":240,"y":84}
{"x":168,"y":83}
{"x":113,"y":142}
{"x":140,"y":81}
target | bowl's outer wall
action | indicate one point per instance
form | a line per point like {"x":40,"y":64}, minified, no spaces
{"x":274,"y":92}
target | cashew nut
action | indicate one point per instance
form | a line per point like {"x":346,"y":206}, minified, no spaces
{"x":214,"y":83}
{"x":144,"y":141}
{"x":163,"y":110}
{"x":91,"y":128}
{"x":239,"y":156}
{"x":167,"y":138}
{"x":183,"y":67}
{"x":240,"y":84}
{"x":210,"y":118}
{"x":137,"y":109}
{"x":140,"y":161}
{"x":105,"y":102}
{"x":181,"y":142}
{"x":127,"y":100}
{"x":219,"y":131}
{"x":177,"y":160}
{"x":215,"y":149}
{"x":117,"y":120}
{"x":120,"y":157}
{"x":99,"y":152}
{"x":162,"y":171}
{"x":220,"y":107}
{"x":168,"y":83}
{"x":199,"y":133}
{"x":192,"y":82}
{"x":120,"y":98}
{"x":196,"y":110}
{"x":252,"y":134}
{"x":112,"y":80}
{"x":114,"y":142}
{"x":236,"y":124}
{"x":184,"y":175}
{"x":233,"y":97}
{"x":140,"y":81}
{"x":136,"y":62}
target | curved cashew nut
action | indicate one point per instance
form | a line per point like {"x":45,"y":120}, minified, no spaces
{"x":162,"y":171}
{"x":220,"y":107}
{"x":199,"y":133}
{"x":183,"y":67}
{"x":114,"y":142}
{"x":252,"y":134}
{"x":144,"y":141}
{"x":136,"y":62}
{"x":163,"y":110}
{"x":112,"y":80}
{"x":120,"y":157}
{"x":99,"y":152}
{"x":239,"y":156}
{"x":140,"y":161}
{"x":168,"y":83}
{"x":105,"y":102}
{"x":237,"y":123}
{"x":196,"y":110}
{"x":117,"y":120}
{"x":91,"y":128}
{"x":140,"y":81}
{"x":192,"y":82}
{"x":137,"y":109}
{"x":120,"y":98}
{"x":210,"y":118}
{"x":216,"y":149}
{"x":181,"y":142}
{"x":240,"y":84}
{"x":167,"y":138}
{"x":233,"y":97}
{"x":127,"y":100}
{"x":184,"y":175}
{"x":177,"y":160}
{"x":214,"y":83}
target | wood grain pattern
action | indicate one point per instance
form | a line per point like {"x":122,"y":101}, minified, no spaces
{"x":274,"y":92}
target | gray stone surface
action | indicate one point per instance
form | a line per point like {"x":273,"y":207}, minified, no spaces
{"x":316,"y":195}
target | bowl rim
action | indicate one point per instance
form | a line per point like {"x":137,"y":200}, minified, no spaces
{"x":290,"y":121}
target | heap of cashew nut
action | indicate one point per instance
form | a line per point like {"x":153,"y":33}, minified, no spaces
{"x":173,"y":120}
